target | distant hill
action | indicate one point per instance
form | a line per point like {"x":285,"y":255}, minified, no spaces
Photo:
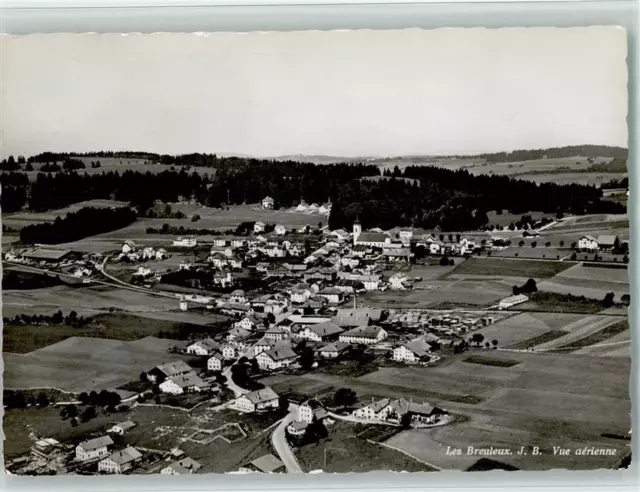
{"x":555,"y":152}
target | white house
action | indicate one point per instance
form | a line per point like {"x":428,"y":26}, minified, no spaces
{"x":93,"y":448}
{"x":268,"y":202}
{"x":203,"y":347}
{"x":120,"y":461}
{"x":262,"y":345}
{"x":367,"y":335}
{"x":332,"y":295}
{"x":177,"y":385}
{"x":185,"y":466}
{"x":280,"y":230}
{"x":588,"y":243}
{"x":297,"y":428}
{"x":436,"y":247}
{"x":276,"y":358}
{"x":413,"y":351}
{"x":258,"y":401}
{"x":311,"y":410}
{"x":400,"y":281}
{"x":275,"y":333}
{"x":334,"y":350}
{"x":228,"y":352}
{"x":170,"y":369}
{"x":512,"y":301}
{"x":122,"y":427}
{"x":128,"y":247}
{"x":321,"y":332}
{"x":259,"y":227}
{"x":249,"y":322}
{"x":185,"y":242}
{"x":214,"y":363}
{"x":238,"y":297}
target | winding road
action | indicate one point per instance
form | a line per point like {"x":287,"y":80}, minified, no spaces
{"x":280,"y":444}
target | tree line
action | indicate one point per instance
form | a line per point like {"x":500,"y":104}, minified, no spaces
{"x":556,"y":152}
{"x":86,"y":222}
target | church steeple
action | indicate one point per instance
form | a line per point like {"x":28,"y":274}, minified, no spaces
{"x":357,"y":229}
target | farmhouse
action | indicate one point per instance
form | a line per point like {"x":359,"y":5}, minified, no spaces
{"x":414,"y":351}
{"x":400,"y":281}
{"x":237,"y":335}
{"x":276,"y":358}
{"x":122,"y":427}
{"x":262,"y":345}
{"x":334,"y":350}
{"x":203,"y":347}
{"x":214,"y":363}
{"x":398,"y":255}
{"x":120,"y":461}
{"x":249,"y":322}
{"x":587,"y":243}
{"x":275,"y":333}
{"x":128,"y":247}
{"x":93,"y":448}
{"x":332,"y":295}
{"x":267,"y":202}
{"x":238,"y":297}
{"x":350,"y":318}
{"x":183,"y":383}
{"x":393,"y":410}
{"x":512,"y":301}
{"x":168,"y":370}
{"x":185,"y":242}
{"x":259,"y":227}
{"x":258,"y":401}
{"x":321,"y":332}
{"x":311,"y":411}
{"x":608,"y":242}
{"x":367,"y":335}
{"x":265,"y":464}
{"x":185,"y":466}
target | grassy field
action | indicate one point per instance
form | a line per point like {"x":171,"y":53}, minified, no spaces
{"x":100,"y":299}
{"x":22,"y":219}
{"x":547,"y":400}
{"x":599,"y":336}
{"x":557,"y":303}
{"x":430,"y":293}
{"x":348,"y":453}
{"x":591,"y":289}
{"x":83,"y":364}
{"x":538,"y":340}
{"x":492,"y":266}
{"x":514,"y":330}
{"x":588,"y":326}
{"x":21,"y":339}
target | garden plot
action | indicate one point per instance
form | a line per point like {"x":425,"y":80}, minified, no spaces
{"x":228,"y":433}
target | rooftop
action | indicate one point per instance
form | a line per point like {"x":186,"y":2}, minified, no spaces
{"x":96,"y":443}
{"x":125,"y":455}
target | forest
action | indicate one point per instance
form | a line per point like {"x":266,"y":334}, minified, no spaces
{"x":85,"y":222}
{"x":556,"y":152}
{"x":427,"y":196}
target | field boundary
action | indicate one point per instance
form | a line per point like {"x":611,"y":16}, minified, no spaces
{"x":393,"y":448}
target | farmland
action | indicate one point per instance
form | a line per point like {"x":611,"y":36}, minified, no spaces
{"x":492,"y":266}
{"x":515,"y":329}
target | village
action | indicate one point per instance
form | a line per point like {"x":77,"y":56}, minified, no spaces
{"x":298,"y":302}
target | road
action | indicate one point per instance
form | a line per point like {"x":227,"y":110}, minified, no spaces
{"x":237,"y":390}
{"x":280,"y":444}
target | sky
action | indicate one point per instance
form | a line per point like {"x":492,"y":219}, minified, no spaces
{"x":337,"y":93}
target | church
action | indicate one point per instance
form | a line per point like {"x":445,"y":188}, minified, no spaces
{"x":373,"y":239}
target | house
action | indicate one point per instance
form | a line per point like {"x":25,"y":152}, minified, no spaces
{"x":398,"y":255}
{"x":608,"y":242}
{"x":315,"y":274}
{"x":275,"y":333}
{"x":120,"y":461}
{"x":168,"y":370}
{"x":259,"y":227}
{"x":311,"y":411}
{"x":367,"y":335}
{"x":300,"y":293}
{"x":268,"y":202}
{"x":436,"y":247}
{"x":238,"y":297}
{"x":214,"y":363}
{"x":265,"y":464}
{"x":185,"y":242}
{"x":353,"y":317}
{"x":280,"y":230}
{"x":334,"y":350}
{"x":297,"y":428}
{"x":228,"y":352}
{"x":45,"y":448}
{"x":400,"y":281}
{"x":340,"y":234}
{"x":203,"y":347}
{"x":262,"y":345}
{"x":332,"y":295}
{"x":128,"y":247}
{"x":185,"y":466}
{"x":393,"y":410}
{"x":258,"y":401}
{"x":321,"y":332}
{"x":121,"y":428}
{"x":413,"y":351}
{"x":276,"y":358}
{"x":587,"y":243}
{"x":237,"y":335}
{"x":512,"y":301}
{"x":372,"y":410}
{"x":93,"y":448}
{"x":185,"y":383}
{"x":249,"y":322}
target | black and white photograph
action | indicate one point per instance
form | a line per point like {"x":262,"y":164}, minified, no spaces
{"x":315,"y":251}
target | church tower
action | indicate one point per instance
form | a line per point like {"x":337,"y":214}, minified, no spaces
{"x":357,"y":229}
